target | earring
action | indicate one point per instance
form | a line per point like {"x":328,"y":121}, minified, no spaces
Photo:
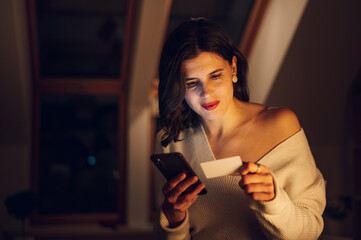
{"x":234,"y":78}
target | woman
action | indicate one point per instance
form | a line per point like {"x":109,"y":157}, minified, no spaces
{"x":278,"y":192}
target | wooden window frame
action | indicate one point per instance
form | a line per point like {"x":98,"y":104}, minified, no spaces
{"x":252,"y":27}
{"x":82,"y":86}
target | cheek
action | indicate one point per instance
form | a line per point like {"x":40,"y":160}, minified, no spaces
{"x":228,"y":88}
{"x":190,"y":99}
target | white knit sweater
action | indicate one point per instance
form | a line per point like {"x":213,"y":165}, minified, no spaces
{"x":227,"y":213}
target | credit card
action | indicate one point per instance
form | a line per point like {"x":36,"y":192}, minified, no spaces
{"x":221,"y":167}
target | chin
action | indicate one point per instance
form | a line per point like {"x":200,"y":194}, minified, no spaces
{"x":210,"y":116}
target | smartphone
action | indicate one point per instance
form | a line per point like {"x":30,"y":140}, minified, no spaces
{"x":172,"y":164}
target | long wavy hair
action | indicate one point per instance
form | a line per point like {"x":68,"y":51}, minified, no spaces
{"x":186,"y":42}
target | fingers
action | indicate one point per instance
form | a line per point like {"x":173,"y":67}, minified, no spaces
{"x":262,"y":196}
{"x":197,"y":189}
{"x":173,"y":183}
{"x":250,"y":167}
{"x":178,"y":193}
{"x":178,"y":185}
{"x":258,"y":191}
{"x":257,"y":178}
{"x":257,"y":181}
{"x":179,"y":197}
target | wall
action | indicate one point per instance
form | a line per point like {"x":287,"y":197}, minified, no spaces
{"x":270,"y":46}
{"x":314,"y":80}
{"x":146,"y":56}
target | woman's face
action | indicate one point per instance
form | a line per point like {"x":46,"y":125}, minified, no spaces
{"x":209,"y":87}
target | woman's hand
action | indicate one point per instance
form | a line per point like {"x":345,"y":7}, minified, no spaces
{"x":178,"y":198}
{"x":257,"y":182}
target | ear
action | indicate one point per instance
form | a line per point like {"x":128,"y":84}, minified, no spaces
{"x":234,"y":65}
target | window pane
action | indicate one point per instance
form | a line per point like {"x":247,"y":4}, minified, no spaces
{"x":231,"y":15}
{"x":82,"y":38}
{"x":78,"y":154}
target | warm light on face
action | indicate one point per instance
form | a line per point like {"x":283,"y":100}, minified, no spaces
{"x":209,"y":88}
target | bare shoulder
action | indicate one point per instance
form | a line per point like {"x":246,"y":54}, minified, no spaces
{"x":281,"y":121}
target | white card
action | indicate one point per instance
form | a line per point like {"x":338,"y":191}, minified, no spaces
{"x":221,"y":167}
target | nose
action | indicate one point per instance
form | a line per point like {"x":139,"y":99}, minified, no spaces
{"x":207,"y":90}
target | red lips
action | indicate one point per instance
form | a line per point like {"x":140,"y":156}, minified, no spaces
{"x":211,"y":105}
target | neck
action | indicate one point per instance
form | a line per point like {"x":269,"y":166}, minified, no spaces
{"x":232,"y":120}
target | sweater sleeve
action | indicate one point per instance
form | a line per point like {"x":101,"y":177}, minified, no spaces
{"x":163,"y":231}
{"x":161,"y":224}
{"x":296,"y":211}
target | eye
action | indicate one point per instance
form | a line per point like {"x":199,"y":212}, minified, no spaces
{"x":216,"y":76}
{"x":191,"y":84}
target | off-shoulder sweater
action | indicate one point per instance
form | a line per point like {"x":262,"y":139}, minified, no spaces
{"x":226,"y":212}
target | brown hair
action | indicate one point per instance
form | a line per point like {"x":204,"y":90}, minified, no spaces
{"x":184,"y":43}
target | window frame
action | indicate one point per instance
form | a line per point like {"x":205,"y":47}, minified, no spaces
{"x":81,"y":86}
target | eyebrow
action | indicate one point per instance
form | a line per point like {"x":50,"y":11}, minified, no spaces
{"x":215,"y":71}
